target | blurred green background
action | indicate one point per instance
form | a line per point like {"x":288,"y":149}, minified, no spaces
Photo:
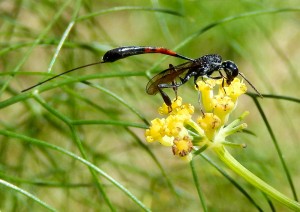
{"x":104,"y":122}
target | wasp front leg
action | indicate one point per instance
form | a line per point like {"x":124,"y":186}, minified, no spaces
{"x":220,"y":77}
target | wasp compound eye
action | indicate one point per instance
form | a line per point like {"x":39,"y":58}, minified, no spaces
{"x":230,"y":69}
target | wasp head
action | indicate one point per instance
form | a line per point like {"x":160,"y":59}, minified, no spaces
{"x":231,"y":70}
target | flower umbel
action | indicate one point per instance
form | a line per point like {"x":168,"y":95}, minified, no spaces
{"x":171,"y":131}
{"x":176,"y":130}
{"x":183,"y":135}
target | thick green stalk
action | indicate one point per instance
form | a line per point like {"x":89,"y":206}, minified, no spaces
{"x":230,"y":161}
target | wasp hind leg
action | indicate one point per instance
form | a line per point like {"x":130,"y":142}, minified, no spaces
{"x":166,"y":99}
{"x":174,"y":84}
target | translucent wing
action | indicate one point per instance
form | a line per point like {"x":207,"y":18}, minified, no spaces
{"x":168,"y":76}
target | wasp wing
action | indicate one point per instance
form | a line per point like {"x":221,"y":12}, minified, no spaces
{"x":168,"y":76}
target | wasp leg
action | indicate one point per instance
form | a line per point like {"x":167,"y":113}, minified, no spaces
{"x":195,"y":80}
{"x":165,"y":85}
{"x":199,"y":95}
{"x":220,"y":77}
{"x":175,"y":88}
{"x":166,"y":99}
{"x":174,"y":85}
{"x":188,"y":76}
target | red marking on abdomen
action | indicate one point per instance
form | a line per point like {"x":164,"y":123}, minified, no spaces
{"x":160,"y":50}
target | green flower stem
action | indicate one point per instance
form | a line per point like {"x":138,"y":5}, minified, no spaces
{"x":227,"y":131}
{"x":230,"y":161}
{"x":195,"y":126}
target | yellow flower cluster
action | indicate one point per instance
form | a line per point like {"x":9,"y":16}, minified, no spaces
{"x":224,"y":101}
{"x":171,"y":131}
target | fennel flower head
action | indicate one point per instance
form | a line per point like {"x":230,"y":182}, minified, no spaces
{"x":184,"y":132}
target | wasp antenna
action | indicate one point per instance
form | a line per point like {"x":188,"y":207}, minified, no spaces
{"x":51,"y":78}
{"x":259,"y":94}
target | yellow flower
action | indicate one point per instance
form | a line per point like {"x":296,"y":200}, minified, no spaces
{"x":154,"y":132}
{"x":210,"y":123}
{"x":170,"y":131}
{"x":235,"y":89}
{"x":182,"y":147}
{"x":222,"y":105}
{"x":185,"y":110}
{"x":206,"y":89}
{"x":210,"y":128}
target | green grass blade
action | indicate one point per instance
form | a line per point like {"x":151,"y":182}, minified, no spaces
{"x":27,"y":194}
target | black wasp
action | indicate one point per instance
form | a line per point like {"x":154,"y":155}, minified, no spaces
{"x":200,"y":67}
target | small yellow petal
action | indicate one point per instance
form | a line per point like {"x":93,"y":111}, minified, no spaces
{"x":210,"y":123}
{"x":154,"y":132}
{"x":167,"y":141}
{"x":165,"y":110}
{"x":206,"y":91}
{"x":235,"y":89}
{"x":208,"y":84}
{"x":223,"y":105}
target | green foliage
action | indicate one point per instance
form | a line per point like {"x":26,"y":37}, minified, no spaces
{"x":77,"y":143}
